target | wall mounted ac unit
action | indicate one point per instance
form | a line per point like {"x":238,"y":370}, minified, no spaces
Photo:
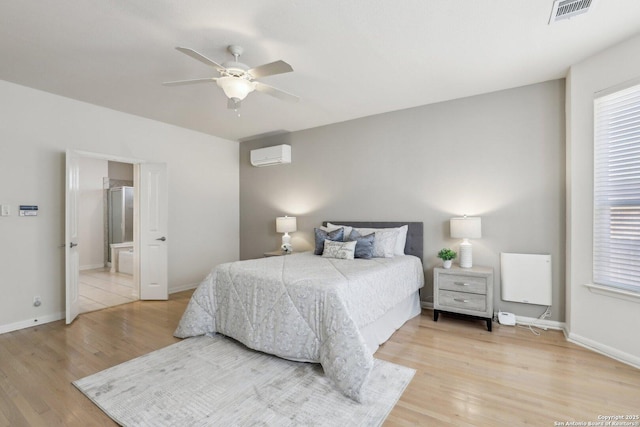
{"x":269,"y":156}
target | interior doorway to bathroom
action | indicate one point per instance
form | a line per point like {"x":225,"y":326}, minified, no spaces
{"x":150,"y":228}
{"x":106,"y":237}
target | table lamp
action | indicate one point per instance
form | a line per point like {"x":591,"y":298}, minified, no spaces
{"x":465,"y":228}
{"x":286,"y":225}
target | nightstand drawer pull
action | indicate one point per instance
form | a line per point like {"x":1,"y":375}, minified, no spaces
{"x":461,"y":283}
{"x":461,"y":300}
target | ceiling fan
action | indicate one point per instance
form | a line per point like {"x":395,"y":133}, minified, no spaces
{"x":236,"y":79}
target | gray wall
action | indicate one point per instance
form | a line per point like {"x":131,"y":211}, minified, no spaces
{"x":500,"y":156}
{"x":120,"y":171}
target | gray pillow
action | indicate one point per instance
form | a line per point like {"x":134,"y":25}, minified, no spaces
{"x":321,"y":236}
{"x":364,"y":244}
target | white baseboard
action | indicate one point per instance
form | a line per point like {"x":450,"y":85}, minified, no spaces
{"x":91,"y":266}
{"x":28,"y":323}
{"x":520,"y":320}
{"x":543,"y":323}
{"x":31,"y":322}
{"x":605,"y":350}
{"x":587,"y":343}
{"x":186,"y":287}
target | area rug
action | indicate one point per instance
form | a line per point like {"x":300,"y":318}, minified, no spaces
{"x":216,"y":381}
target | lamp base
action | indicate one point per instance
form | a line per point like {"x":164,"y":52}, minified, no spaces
{"x":286,"y":248}
{"x":286,"y":243}
{"x":466,"y":255}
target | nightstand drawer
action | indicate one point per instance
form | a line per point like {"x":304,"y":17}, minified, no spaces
{"x":464,"y":300}
{"x":460,"y":283}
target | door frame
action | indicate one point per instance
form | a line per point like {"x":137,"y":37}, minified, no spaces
{"x":136,"y":215}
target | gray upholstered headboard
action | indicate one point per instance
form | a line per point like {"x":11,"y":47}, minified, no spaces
{"x":415,"y":234}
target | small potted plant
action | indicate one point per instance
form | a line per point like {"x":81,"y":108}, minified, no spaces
{"x":447,"y":256}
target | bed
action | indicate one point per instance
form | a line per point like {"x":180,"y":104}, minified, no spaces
{"x":310,"y":308}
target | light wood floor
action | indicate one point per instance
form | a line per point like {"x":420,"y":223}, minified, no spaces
{"x":100,"y":288}
{"x":465,"y":375}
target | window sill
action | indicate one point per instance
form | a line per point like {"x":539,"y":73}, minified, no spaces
{"x":614,"y":293}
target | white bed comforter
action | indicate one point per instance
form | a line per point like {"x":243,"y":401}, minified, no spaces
{"x":303,"y":307}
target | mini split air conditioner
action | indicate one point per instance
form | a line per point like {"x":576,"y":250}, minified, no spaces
{"x":269,"y":156}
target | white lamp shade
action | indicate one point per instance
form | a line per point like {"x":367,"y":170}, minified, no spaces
{"x":468,"y":227}
{"x":286,"y":224}
{"x":235,"y":87}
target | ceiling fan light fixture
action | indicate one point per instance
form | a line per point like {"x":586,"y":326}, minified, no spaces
{"x":235,"y":87}
{"x":236,"y":79}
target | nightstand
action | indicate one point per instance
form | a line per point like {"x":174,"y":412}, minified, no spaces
{"x":467,"y":291}
{"x":276,"y":253}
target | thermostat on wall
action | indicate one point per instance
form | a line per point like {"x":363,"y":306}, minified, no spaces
{"x":28,"y":210}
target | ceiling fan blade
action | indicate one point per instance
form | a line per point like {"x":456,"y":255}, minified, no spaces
{"x":277,"y":67}
{"x":280,"y":94}
{"x":188,"y":82}
{"x":200,"y":57}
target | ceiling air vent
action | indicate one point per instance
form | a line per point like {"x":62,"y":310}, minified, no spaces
{"x":565,"y":9}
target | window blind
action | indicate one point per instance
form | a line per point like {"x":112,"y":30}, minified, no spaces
{"x":616,"y":227}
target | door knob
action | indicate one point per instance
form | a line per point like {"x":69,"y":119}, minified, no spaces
{"x":71,"y":245}
{"x":162,"y":239}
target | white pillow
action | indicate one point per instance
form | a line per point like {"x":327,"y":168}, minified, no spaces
{"x":339,"y":250}
{"x":384,"y":243}
{"x":331,"y":227}
{"x":401,"y":239}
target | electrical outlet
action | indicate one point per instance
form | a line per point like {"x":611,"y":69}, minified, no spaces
{"x":37,"y":302}
{"x":5,"y":210}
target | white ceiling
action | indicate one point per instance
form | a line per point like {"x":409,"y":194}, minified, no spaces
{"x":351,"y":58}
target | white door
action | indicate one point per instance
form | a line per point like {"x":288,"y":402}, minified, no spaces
{"x":72,"y":255}
{"x":153,"y":231}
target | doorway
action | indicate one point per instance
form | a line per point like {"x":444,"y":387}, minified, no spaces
{"x":106,"y":214}
{"x":150,"y":247}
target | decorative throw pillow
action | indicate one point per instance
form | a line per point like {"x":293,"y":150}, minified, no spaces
{"x":364,"y":244}
{"x":347,"y":229}
{"x":384,"y":243}
{"x":322,"y":235}
{"x":339,"y":250}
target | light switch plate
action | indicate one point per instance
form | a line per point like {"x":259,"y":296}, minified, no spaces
{"x":5,"y":210}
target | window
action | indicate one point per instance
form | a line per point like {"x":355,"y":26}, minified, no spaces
{"x":616,"y":226}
